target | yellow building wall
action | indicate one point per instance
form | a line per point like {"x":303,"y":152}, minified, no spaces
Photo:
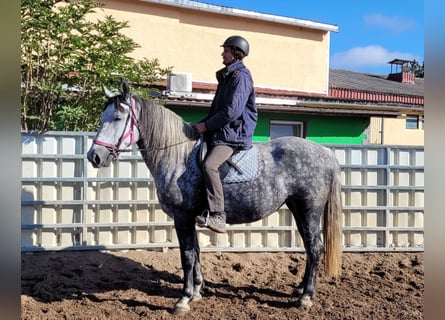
{"x":281,"y":56}
{"x":395,"y":132}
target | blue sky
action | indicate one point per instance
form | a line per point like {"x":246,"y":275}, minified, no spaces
{"x":371,"y":32}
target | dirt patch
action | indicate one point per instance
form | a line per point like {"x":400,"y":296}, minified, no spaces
{"x":146,"y":285}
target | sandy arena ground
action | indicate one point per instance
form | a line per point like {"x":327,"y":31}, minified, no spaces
{"x":146,"y":285}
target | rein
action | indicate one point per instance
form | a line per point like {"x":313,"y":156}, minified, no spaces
{"x":114,"y":148}
{"x":155,"y":149}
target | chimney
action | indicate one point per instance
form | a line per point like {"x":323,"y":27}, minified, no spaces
{"x":404,"y":72}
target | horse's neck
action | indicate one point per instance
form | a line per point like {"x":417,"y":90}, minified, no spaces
{"x":162,"y":163}
{"x":166,"y":141}
{"x":148,"y":155}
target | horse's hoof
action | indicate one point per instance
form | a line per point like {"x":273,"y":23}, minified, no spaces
{"x":196,"y":297}
{"x":304,"y":302}
{"x":180,"y":311}
{"x":298,"y":291}
{"x":181,"y":307}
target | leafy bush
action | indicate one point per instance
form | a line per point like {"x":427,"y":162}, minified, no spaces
{"x":65,"y":59}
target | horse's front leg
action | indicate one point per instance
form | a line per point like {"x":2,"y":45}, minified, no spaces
{"x":189,"y":247}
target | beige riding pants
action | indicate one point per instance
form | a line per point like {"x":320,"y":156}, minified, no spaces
{"x":216,"y":156}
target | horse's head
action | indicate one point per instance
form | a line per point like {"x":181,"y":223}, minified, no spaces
{"x":118,"y":128}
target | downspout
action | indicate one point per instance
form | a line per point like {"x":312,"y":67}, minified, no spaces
{"x":382,"y":131}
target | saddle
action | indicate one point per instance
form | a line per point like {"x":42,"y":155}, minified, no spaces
{"x":242,"y":166}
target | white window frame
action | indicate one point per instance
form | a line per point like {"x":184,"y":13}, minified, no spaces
{"x":410,"y":120}
{"x":286,"y":122}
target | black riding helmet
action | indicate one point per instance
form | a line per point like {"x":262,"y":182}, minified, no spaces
{"x":238,"y":42}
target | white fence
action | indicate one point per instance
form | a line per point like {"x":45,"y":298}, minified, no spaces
{"x":69,"y":205}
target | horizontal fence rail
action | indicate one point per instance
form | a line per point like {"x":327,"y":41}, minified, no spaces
{"x":69,"y":205}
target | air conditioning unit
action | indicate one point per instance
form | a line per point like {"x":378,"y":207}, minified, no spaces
{"x":179,"y":82}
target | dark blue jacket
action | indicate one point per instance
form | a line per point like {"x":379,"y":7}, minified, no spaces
{"x":233,"y":114}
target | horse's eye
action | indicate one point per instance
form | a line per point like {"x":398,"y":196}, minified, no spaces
{"x":117,"y":119}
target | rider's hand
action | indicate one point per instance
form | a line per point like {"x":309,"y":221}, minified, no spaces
{"x":200,"y":127}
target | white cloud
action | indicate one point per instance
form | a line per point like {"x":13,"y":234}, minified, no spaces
{"x":391,"y":24}
{"x":370,"y":56}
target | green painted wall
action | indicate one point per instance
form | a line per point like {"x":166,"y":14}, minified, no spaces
{"x":319,"y":128}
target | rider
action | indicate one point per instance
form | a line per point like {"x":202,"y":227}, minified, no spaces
{"x":228,"y":127}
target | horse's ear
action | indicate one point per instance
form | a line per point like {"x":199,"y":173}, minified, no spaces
{"x":107,"y":92}
{"x":125,"y":89}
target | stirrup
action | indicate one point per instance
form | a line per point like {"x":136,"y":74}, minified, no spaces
{"x":205,"y":214}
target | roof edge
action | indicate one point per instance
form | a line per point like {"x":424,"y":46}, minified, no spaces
{"x":246,"y":14}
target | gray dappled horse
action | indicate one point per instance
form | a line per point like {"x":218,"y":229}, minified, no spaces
{"x":293,"y":171}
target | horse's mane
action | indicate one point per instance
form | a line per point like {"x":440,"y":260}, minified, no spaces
{"x":164,"y":133}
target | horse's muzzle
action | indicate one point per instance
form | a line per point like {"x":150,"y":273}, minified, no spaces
{"x":99,"y":157}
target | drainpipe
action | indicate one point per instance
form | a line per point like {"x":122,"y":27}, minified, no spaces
{"x":382,"y":130}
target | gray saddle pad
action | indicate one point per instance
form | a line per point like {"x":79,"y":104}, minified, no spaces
{"x":246,"y":161}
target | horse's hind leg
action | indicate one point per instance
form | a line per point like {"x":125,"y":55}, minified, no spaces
{"x":193,"y":280}
{"x":308,"y":223}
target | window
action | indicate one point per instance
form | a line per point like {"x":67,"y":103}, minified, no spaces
{"x":412,"y":122}
{"x":280,"y":128}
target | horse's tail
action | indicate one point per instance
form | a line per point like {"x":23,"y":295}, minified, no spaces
{"x":332,"y":225}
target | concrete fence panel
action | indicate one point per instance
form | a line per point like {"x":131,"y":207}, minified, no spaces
{"x":69,"y":205}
